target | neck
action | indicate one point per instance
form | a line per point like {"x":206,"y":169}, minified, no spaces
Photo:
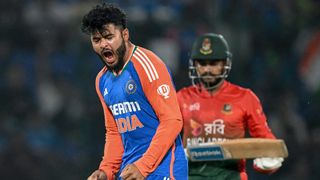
{"x":214,"y":90}
{"x":129,"y":47}
{"x":126,"y":58}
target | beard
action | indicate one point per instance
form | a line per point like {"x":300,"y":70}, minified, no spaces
{"x":120,"y":52}
{"x":209,"y":80}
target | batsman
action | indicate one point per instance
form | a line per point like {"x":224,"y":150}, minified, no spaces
{"x":216,"y":110}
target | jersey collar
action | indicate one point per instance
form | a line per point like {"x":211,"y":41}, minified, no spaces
{"x":205,"y":93}
{"x":132,"y":50}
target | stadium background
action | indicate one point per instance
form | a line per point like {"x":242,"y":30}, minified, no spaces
{"x":51,"y":122}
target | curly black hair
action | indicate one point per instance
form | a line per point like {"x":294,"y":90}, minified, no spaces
{"x":101,"y":15}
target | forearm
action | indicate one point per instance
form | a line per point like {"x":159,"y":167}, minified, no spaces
{"x":162,"y":141}
{"x":112,"y":157}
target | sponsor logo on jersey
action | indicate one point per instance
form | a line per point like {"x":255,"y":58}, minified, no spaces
{"x":196,"y":127}
{"x":216,"y":127}
{"x":227,"y":109}
{"x":131,"y":87}
{"x":124,"y":107}
{"x":194,"y":107}
{"x":164,"y":90}
{"x":130,"y":122}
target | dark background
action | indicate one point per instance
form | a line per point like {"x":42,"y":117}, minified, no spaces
{"x":51,"y":121}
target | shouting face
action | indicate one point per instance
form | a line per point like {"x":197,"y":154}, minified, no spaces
{"x":110,"y":46}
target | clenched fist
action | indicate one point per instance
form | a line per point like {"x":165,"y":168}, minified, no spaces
{"x":97,"y":175}
{"x":131,"y":172}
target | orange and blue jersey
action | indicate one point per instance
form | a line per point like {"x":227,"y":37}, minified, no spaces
{"x":142,"y":118}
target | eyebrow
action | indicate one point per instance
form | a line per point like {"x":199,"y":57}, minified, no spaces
{"x":106,"y":33}
{"x":102,"y":34}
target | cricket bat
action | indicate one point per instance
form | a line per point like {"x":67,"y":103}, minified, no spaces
{"x":244,"y":148}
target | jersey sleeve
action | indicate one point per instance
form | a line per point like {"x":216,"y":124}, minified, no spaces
{"x":186,"y":114}
{"x":160,"y":92}
{"x":180,"y":100}
{"x":113,"y":148}
{"x":256,"y":119}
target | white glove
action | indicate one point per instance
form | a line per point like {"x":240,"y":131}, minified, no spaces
{"x":268,"y":163}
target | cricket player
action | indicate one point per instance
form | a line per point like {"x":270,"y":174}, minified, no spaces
{"x":215,"y":110}
{"x":142,"y":116}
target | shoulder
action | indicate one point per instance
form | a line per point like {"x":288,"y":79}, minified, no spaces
{"x":148,"y":63}
{"x":186,"y":91}
{"x":247,"y":93}
{"x":100,"y":74}
{"x":234,"y":88}
{"x":99,"y":80}
{"x":147,"y":57}
{"x":150,"y":54}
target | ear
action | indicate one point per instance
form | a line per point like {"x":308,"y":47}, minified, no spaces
{"x":125,"y":34}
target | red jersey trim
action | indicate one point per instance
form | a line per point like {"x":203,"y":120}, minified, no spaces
{"x":172,"y":161}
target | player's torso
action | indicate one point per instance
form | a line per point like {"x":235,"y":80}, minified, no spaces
{"x":212,"y":118}
{"x":126,"y":95}
{"x":135,"y":118}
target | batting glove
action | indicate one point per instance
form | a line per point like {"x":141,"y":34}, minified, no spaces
{"x":267,"y":165}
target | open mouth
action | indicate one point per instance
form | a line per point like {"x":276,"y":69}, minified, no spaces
{"x":108,"y":55}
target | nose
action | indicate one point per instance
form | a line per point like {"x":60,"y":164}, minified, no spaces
{"x":207,"y":67}
{"x":104,"y":43}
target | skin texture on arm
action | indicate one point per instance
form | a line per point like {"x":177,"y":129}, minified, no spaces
{"x":158,"y":88}
{"x":113,"y":148}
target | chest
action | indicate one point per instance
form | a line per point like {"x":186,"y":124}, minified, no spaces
{"x":122,"y":93}
{"x":120,"y":88}
{"x":206,"y":110}
{"x":211,"y":119}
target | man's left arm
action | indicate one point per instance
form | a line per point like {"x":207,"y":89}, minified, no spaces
{"x":258,"y":127}
{"x":162,"y":96}
{"x":256,"y":119}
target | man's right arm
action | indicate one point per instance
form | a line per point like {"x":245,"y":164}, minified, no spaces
{"x":113,"y":148}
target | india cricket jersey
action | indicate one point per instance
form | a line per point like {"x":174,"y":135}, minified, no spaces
{"x":142,"y":118}
{"x":225,"y":115}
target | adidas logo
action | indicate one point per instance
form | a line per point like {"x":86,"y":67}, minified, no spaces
{"x":105,"y":91}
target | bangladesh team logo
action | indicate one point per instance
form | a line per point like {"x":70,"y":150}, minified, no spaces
{"x":206,"y":46}
{"x":227,"y":109}
{"x":131,"y":87}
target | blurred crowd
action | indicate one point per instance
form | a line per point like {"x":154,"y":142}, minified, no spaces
{"x":51,"y":120}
